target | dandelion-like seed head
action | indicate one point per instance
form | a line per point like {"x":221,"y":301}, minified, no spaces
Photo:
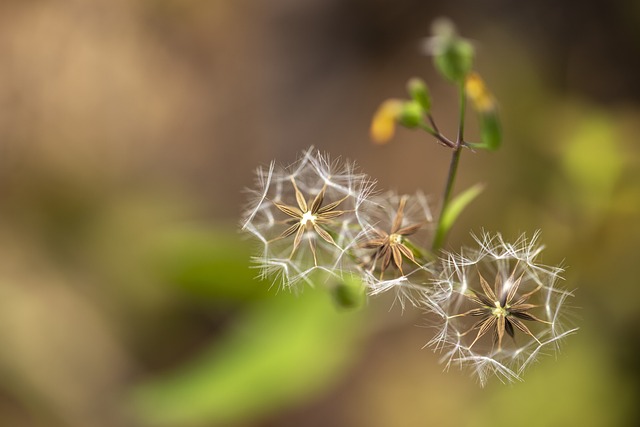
{"x":305,"y":216}
{"x":396,"y":230}
{"x":498,"y":307}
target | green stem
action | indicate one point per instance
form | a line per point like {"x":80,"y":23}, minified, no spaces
{"x":441,"y":233}
{"x":435,"y":132}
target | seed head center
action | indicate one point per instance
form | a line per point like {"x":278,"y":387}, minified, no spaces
{"x":395,"y":239}
{"x":308,"y":219}
{"x":499,"y":310}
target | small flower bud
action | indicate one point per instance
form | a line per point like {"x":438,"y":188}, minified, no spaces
{"x":349,"y":293}
{"x":453,"y":56}
{"x":411,"y":114}
{"x":419,"y":93}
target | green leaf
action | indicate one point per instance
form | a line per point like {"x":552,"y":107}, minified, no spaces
{"x":453,"y":210}
{"x":490,"y":130}
{"x":282,"y":352}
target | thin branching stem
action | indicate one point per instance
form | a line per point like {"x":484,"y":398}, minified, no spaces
{"x":439,"y":240}
{"x":435,"y":132}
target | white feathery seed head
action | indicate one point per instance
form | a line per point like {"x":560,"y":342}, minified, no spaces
{"x":306,"y":217}
{"x":498,"y":308}
{"x":396,"y":229}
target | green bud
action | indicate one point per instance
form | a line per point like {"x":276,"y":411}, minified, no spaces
{"x":349,"y":293}
{"x":456,"y":60}
{"x":453,"y":56}
{"x":490,"y":130}
{"x":411,"y":115}
{"x":419,"y":92}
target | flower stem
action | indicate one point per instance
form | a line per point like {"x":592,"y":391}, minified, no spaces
{"x":441,"y":233}
{"x":435,"y":132}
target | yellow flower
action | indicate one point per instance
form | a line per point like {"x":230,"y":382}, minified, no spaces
{"x":477,"y":91}
{"x":383,"y":125}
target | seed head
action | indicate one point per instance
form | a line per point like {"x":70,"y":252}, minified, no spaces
{"x":305,"y":216}
{"x":498,"y":307}
{"x":396,"y":229}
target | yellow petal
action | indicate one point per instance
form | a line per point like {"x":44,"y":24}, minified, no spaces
{"x":383,"y":125}
{"x":477,"y":91}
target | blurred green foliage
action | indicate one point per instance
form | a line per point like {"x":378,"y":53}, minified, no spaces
{"x":593,"y":161}
{"x":210,"y":264}
{"x":572,"y":390}
{"x":280,"y":352}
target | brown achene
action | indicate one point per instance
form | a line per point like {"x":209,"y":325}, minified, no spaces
{"x":500,"y":310}
{"x":390,"y":247}
{"x":309,"y":216}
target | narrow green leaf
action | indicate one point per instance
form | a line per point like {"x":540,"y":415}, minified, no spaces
{"x":490,"y":132}
{"x":453,"y":210}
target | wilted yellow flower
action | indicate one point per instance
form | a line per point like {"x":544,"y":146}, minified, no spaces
{"x":477,"y":91}
{"x":383,"y":125}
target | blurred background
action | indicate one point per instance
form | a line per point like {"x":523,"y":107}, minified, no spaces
{"x":128,"y":130}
